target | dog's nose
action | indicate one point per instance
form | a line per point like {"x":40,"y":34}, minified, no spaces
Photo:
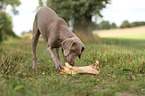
{"x":72,"y":64}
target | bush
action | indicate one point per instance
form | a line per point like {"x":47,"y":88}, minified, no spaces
{"x":25,"y":32}
{"x":104,"y":25}
{"x":113,"y":25}
{"x":125,"y":24}
{"x":6,"y":26}
{"x":95,"y":26}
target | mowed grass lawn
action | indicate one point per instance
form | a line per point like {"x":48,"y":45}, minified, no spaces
{"x":122,"y":65}
{"x":132,"y":36}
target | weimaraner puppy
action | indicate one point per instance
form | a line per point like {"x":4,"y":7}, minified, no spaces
{"x":56,"y":33}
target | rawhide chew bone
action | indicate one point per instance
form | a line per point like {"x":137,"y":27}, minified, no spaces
{"x":91,"y":69}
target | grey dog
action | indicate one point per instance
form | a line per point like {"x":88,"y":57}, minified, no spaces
{"x":56,"y":33}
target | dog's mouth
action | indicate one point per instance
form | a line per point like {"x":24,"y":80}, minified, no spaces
{"x":72,"y":64}
{"x":70,"y":61}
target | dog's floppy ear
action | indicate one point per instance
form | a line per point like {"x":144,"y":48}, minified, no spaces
{"x":66,"y":46}
{"x":83,"y":48}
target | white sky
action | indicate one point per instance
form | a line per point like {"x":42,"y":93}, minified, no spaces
{"x":120,"y":10}
{"x":24,"y":20}
{"x":117,"y":11}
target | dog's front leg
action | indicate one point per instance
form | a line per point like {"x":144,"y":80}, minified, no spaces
{"x":54,"y":57}
{"x":59,"y":58}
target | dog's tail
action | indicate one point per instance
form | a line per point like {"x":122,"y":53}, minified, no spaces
{"x":35,"y":23}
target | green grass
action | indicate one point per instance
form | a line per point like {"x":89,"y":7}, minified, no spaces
{"x":122,"y":70}
{"x":131,"y":36}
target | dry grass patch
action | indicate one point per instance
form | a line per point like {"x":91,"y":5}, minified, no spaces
{"x":120,"y":32}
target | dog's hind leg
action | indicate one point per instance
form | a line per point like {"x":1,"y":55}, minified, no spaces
{"x":35,"y":38}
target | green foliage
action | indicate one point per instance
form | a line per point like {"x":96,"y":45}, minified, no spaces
{"x":104,"y":25}
{"x":137,"y":23}
{"x":6,"y":20}
{"x":125,"y":24}
{"x":95,"y":26}
{"x":25,"y":32}
{"x":113,"y":25}
{"x":12,"y":3}
{"x":5,"y":26}
{"x":40,"y":3}
{"x":77,"y":8}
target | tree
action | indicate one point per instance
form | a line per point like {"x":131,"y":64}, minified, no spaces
{"x":113,"y":25}
{"x":125,"y":24}
{"x":6,"y":26}
{"x":12,"y":3}
{"x":5,"y":18}
{"x":81,"y":12}
{"x":104,"y":25}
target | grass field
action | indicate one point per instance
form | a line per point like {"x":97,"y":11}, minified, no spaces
{"x":128,"y":33}
{"x":122,"y":70}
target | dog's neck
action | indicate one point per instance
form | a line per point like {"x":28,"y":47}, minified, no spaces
{"x":69,"y":38}
{"x":65,"y":33}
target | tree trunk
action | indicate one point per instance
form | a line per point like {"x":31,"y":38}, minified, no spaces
{"x":83,"y":28}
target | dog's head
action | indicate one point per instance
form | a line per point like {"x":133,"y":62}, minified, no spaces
{"x":72,"y":47}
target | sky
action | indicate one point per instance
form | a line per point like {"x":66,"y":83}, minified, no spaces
{"x":120,"y":10}
{"x":24,"y":20}
{"x":117,"y":11}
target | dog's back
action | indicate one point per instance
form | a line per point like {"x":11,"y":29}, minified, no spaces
{"x":46,"y":19}
{"x":46,"y":14}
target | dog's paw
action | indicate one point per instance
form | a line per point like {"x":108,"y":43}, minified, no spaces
{"x":34,"y":68}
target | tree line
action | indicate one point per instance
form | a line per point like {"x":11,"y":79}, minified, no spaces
{"x":125,"y":24}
